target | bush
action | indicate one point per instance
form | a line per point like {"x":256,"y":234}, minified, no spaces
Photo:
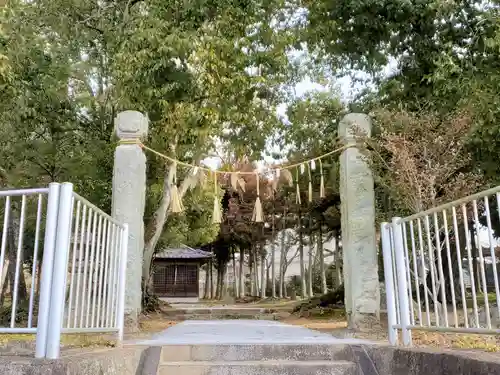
{"x":22,"y":313}
{"x":150,"y":301}
{"x":335,"y":298}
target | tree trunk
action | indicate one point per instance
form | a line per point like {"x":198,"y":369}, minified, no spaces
{"x":273,"y":256}
{"x":236,"y":283}
{"x":11,"y":256}
{"x":262,"y":274}
{"x":223,"y":277}
{"x":311,"y":267}
{"x":268,"y":275}
{"x":5,"y":284}
{"x":450,"y":267}
{"x":324,"y":287}
{"x":205,"y":287}
{"x":241,"y":278}
{"x":39,"y":273}
{"x":255,"y":274}
{"x":218,"y":288}
{"x":217,"y":283}
{"x":211,"y":273}
{"x":337,"y":258}
{"x":13,"y":243}
{"x":475,"y":255}
{"x":226,"y":280}
{"x":282,"y":263}
{"x":251,"y":266}
{"x":273,"y":268}
{"x":301,"y":257}
{"x":155,"y":227}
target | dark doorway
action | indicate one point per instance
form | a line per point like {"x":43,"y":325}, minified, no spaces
{"x":176,"y":280}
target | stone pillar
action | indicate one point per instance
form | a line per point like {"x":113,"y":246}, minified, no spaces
{"x":129,"y":196}
{"x":362,"y":294}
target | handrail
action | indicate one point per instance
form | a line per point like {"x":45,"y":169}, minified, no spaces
{"x":452,"y":204}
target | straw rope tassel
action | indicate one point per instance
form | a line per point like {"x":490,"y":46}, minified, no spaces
{"x":208,"y":170}
{"x":257,"y":210}
{"x":216,"y":215}
{"x":297,"y":197}
{"x":176,"y":205}
{"x":322,"y":181}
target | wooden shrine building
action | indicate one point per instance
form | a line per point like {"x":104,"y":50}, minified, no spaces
{"x":176,"y":272}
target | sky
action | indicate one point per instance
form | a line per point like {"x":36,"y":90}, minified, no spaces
{"x":347,"y":91}
{"x":347,"y":87}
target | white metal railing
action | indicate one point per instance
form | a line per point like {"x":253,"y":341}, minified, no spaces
{"x":22,"y":209}
{"x":72,"y":258}
{"x":441,"y":270}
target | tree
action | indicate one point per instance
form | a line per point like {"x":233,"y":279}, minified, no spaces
{"x":417,"y":172}
{"x":313,"y":132}
{"x":205,"y":73}
{"x":422,"y":160}
{"x":285,"y":260}
{"x":219,"y":62}
{"x":445,"y":59}
{"x":445,"y":56}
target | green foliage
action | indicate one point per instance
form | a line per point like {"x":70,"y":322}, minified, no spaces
{"x":312,"y":131}
{"x":444,"y":58}
{"x":150,"y":303}
{"x":313,"y":125}
{"x":204,"y":72}
{"x":333,"y":298}
{"x":194,"y":226}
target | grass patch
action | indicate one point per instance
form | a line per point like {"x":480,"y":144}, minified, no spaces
{"x":336,"y":325}
{"x":488,"y":343}
{"x":27,"y":340}
{"x":67,"y":340}
{"x":154,"y":323}
{"x":492,"y":298}
{"x":320,"y":313}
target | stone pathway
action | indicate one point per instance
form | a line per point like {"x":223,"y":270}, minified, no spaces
{"x":204,"y":332}
{"x":248,"y":347}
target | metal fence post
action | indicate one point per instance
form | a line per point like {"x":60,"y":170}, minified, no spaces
{"x":58,"y":287}
{"x":404,"y":304}
{"x":120,"y":313}
{"x":47,"y":267}
{"x":390,"y":289}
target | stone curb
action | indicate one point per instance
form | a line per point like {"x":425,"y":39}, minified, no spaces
{"x":116,"y":361}
{"x":416,"y":361}
{"x":371,"y":359}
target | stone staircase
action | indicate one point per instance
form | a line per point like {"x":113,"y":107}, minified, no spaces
{"x":255,"y":359}
{"x":207,"y":313}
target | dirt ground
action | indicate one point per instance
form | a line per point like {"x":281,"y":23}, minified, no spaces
{"x":489,"y":343}
{"x":334,"y":324}
{"x":153,"y":323}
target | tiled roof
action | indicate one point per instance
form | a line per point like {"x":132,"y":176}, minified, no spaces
{"x":183,"y":252}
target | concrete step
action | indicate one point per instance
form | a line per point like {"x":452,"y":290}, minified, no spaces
{"x":219,"y":311}
{"x":252,"y":352}
{"x":259,"y":368}
{"x":229,"y":316}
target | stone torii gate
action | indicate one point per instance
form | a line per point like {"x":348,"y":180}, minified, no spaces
{"x":357,"y":197}
{"x":357,"y":210}
{"x":129,"y":200}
